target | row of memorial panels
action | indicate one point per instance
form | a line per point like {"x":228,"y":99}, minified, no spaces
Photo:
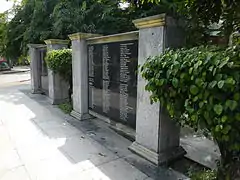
{"x":113,"y":80}
{"x":114,"y":100}
{"x":114,"y":68}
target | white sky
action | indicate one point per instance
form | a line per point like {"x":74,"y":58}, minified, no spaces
{"x":5,"y":5}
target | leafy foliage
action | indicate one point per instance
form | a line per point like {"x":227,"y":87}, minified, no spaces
{"x":200,"y":87}
{"x":92,"y":16}
{"x":60,"y":61}
{"x":36,"y":20}
{"x":23,"y":60}
{"x":204,"y":175}
{"x":235,"y":39}
{"x":66,"y":107}
{"x":3,"y":32}
{"x":200,"y":15}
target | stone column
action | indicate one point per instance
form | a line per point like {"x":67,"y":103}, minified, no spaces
{"x":57,"y":86}
{"x":35,"y":68}
{"x":80,"y":75}
{"x":157,"y":136}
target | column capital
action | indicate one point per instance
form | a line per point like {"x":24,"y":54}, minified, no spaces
{"x":56,"y":41}
{"x":36,"y":45}
{"x":80,"y":35}
{"x":152,"y":21}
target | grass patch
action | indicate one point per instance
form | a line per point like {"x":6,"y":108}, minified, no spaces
{"x":204,"y":175}
{"x":66,"y":107}
{"x":193,"y":170}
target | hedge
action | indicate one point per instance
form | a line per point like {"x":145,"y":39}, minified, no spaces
{"x":200,"y":87}
{"x":60,"y":61}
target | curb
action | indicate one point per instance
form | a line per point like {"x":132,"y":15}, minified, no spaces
{"x":13,"y":72}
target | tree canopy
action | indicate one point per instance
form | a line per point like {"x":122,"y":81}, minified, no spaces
{"x":37,"y":20}
{"x":200,"y":14}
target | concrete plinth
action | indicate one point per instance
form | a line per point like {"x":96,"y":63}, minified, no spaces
{"x":57,"y":86}
{"x":80,"y":75}
{"x":157,"y":136}
{"x":35,"y":68}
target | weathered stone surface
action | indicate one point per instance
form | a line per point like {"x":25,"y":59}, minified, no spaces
{"x":78,"y":149}
{"x":80,"y":77}
{"x":157,"y":137}
{"x":35,"y":68}
{"x":57,"y":86}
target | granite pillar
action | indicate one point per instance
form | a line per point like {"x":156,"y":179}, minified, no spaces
{"x":157,"y":136}
{"x":80,"y":75}
{"x":35,"y":68}
{"x":58,"y":87}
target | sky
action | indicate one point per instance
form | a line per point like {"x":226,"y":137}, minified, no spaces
{"x":5,"y":5}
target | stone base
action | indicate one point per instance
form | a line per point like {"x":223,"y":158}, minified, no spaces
{"x":105,"y":119}
{"x":36,"y":91}
{"x":157,"y":158}
{"x":81,"y":117}
{"x":57,"y":101}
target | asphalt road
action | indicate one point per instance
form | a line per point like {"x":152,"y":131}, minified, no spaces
{"x":14,"y":79}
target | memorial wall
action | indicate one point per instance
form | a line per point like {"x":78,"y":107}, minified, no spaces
{"x":113,"y":80}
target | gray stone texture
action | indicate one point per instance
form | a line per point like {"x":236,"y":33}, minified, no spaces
{"x":35,"y":69}
{"x":148,"y":121}
{"x":44,"y":84}
{"x":57,"y":86}
{"x":42,"y":143}
{"x":157,"y":136}
{"x":80,"y":79}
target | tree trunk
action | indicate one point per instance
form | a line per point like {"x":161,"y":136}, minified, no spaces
{"x":229,"y":172}
{"x":229,"y":168}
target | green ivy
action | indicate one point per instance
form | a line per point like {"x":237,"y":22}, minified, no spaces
{"x":60,"y":61}
{"x":200,"y":87}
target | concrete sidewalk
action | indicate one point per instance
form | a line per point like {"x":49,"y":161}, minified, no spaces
{"x":39,"y":142}
{"x":16,"y":69}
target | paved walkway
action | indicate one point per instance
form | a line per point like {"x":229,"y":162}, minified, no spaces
{"x":39,"y":142}
{"x":16,"y":69}
{"x":7,"y":80}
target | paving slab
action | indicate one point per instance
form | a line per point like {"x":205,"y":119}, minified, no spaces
{"x":17,"y":69}
{"x":19,"y":173}
{"x":10,"y":160}
{"x":201,"y":150}
{"x":114,"y":170}
{"x":49,"y":169}
{"x":45,"y":144}
{"x":83,"y":149}
{"x":101,"y":132}
{"x":59,"y":129}
{"x":5,"y":142}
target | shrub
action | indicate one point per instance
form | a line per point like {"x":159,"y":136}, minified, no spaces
{"x":66,"y":107}
{"x":204,"y":175}
{"x":60,"y":61}
{"x":23,"y":60}
{"x":200,"y":87}
{"x":236,"y":39}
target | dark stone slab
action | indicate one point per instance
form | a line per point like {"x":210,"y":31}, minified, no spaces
{"x":113,"y":80}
